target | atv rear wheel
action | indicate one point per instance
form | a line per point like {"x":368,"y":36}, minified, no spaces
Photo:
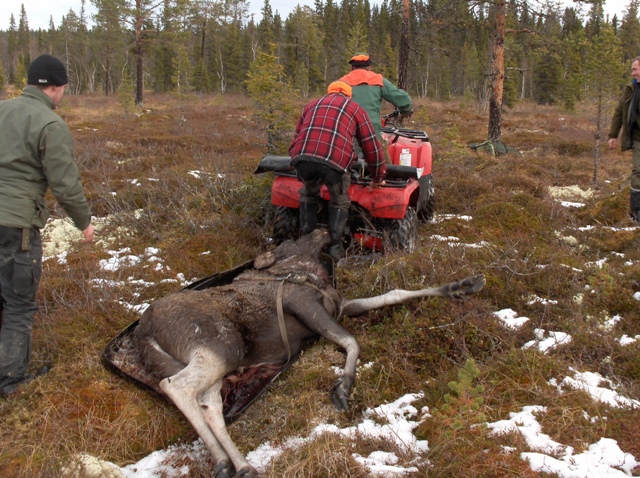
{"x":426,"y":199}
{"x":286,"y":224}
{"x":402,"y":234}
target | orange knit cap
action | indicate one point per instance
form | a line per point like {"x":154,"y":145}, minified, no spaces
{"x":360,"y":60}
{"x":360,"y":57}
{"x":339,"y":87}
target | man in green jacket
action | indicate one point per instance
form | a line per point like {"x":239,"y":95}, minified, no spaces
{"x":626,"y":119}
{"x":36,"y":153}
{"x":369,"y":89}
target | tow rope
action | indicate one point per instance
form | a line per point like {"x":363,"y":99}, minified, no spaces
{"x":294,"y":279}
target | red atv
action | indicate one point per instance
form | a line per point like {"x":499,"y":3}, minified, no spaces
{"x":378,"y":218}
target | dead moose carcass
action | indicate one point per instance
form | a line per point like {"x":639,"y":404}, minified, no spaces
{"x":191,"y":339}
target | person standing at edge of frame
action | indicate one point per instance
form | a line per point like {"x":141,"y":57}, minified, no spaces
{"x":36,"y":153}
{"x":626,"y":119}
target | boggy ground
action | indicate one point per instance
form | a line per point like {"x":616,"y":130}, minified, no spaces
{"x":177,"y":176}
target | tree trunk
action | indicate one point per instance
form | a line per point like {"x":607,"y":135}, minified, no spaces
{"x":203,"y":40}
{"x":404,"y":47}
{"x":107,"y":77}
{"x":497,"y":74}
{"x":596,"y":151}
{"x":139,"y":54}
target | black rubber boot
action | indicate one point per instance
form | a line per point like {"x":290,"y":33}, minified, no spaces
{"x":634,"y":205}
{"x":15,"y":351}
{"x":337,"y":222}
{"x":12,"y":386}
{"x":308,"y":217}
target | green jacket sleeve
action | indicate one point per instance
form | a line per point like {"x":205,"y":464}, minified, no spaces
{"x":61,"y":171}
{"x":397,"y":97}
{"x":616,"y":120}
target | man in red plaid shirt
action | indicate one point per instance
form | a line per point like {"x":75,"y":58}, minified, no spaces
{"x":322,"y":151}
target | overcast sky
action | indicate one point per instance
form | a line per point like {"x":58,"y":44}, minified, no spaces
{"x":40,"y":11}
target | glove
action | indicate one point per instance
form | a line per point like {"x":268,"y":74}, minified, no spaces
{"x":402,"y":116}
{"x":377,"y":185}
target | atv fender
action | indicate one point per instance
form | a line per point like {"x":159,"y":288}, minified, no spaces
{"x":386,"y":203}
{"x":285,"y":191}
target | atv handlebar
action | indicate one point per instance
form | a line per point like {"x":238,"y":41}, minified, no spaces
{"x":392,"y":125}
{"x":393,"y":119}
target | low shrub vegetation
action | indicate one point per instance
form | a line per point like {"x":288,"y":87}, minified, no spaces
{"x":177,"y":176}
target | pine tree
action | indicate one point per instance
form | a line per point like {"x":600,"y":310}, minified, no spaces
{"x":548,"y":71}
{"x":573,"y":78}
{"x":181,"y":71}
{"x":200,"y":80}
{"x":21,"y":73}
{"x":274,"y":97}
{"x":51,"y":36}
{"x":126,"y":93}
{"x":302,"y":53}
{"x":229,"y":62}
{"x":163,"y":51}
{"x":73,"y":32}
{"x":12,"y":49}
{"x":108,"y":40}
{"x":139,"y":14}
{"x":403,"y":48}
{"x":266,"y":27}
{"x":357,"y":41}
{"x":473,"y":69}
{"x":497,"y":73}
{"x":629,"y":32}
{"x":333,"y":65}
{"x":595,"y":20}
{"x":24,"y":38}
{"x":386,"y":61}
{"x":230,"y":57}
{"x":3,"y":79}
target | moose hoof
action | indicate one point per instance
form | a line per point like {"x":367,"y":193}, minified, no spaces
{"x":224,"y":469}
{"x":340,"y":393}
{"x":247,"y":472}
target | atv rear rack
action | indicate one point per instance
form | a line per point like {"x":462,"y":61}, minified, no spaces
{"x":282,"y":164}
{"x":406,"y":133}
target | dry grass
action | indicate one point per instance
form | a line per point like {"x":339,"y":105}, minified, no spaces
{"x":214,"y":219}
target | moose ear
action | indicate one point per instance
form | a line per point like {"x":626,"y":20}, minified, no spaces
{"x":264,"y":260}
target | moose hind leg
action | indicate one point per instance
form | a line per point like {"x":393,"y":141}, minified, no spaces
{"x":185,"y":389}
{"x":212,"y":410}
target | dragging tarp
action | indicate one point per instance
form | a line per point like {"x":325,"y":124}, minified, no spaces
{"x":239,"y":389}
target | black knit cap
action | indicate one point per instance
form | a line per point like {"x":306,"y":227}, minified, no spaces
{"x":47,"y":70}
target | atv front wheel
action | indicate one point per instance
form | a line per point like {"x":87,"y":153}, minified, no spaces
{"x":402,"y":234}
{"x":286,"y":224}
{"x":426,"y":199}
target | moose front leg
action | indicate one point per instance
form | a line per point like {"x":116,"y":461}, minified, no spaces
{"x":315,"y":317}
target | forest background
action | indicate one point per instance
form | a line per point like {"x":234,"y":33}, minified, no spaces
{"x":553,"y":53}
